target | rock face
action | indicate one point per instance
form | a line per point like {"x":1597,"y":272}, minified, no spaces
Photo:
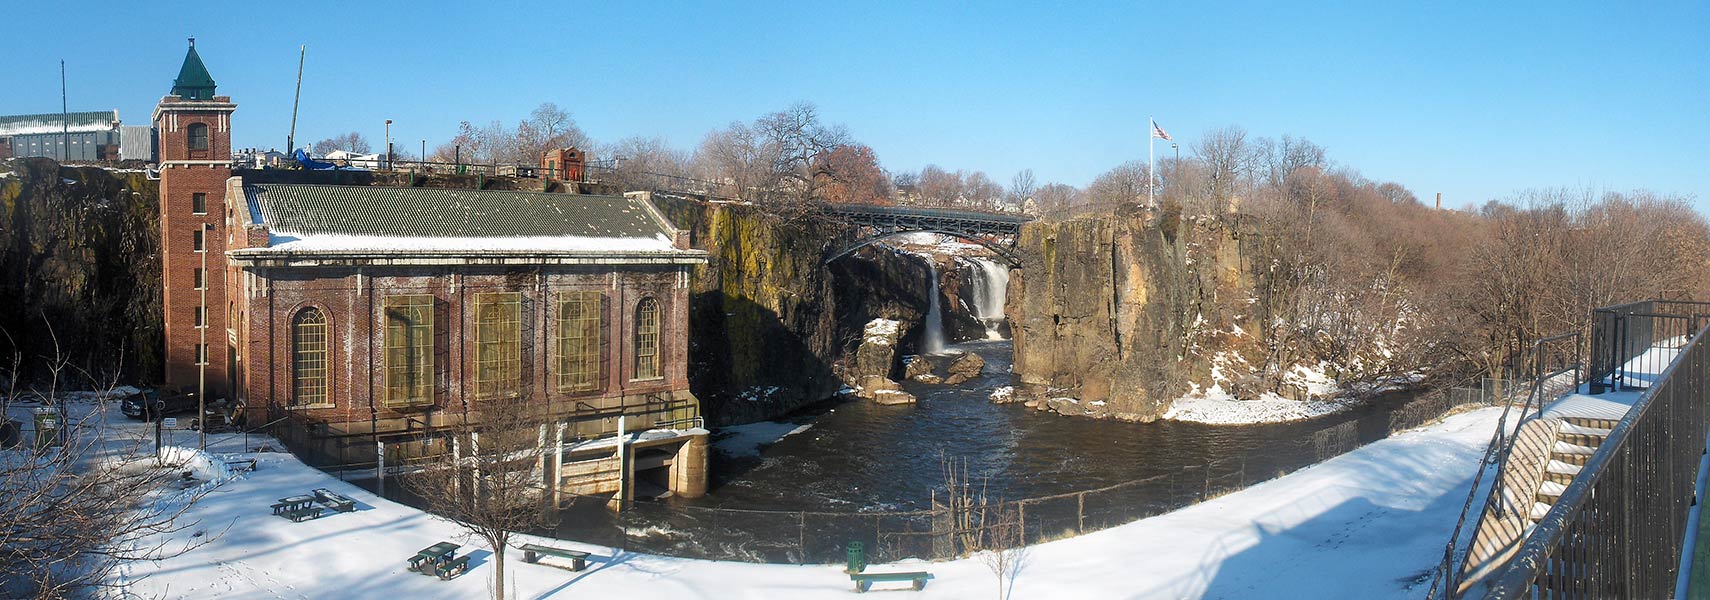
{"x":766,"y":312}
{"x":80,"y":249}
{"x":966,"y":367}
{"x":1121,"y":313}
{"x":920,"y":368}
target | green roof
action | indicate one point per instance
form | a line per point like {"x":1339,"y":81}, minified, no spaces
{"x":310,"y":210}
{"x":193,"y":81}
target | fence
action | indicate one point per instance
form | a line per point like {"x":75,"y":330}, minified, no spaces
{"x":1617,"y":529}
{"x":1621,"y":336}
{"x":811,"y":537}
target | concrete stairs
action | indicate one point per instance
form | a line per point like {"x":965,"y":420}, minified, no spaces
{"x":1548,"y":454}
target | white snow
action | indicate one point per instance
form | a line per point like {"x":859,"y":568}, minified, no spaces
{"x":1002,"y":393}
{"x":281,"y":241}
{"x":1217,"y":407}
{"x":881,"y":331}
{"x":1368,"y":524}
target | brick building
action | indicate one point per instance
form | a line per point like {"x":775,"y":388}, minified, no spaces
{"x":364,"y":317}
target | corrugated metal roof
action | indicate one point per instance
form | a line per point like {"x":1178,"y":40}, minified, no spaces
{"x":433,"y":212}
{"x":100,"y":120}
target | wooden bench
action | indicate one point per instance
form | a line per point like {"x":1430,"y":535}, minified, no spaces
{"x":532,"y":552}
{"x":302,"y":514}
{"x":865,"y":580}
{"x":335,"y":501}
{"x":452,"y":568}
{"x":430,"y":558}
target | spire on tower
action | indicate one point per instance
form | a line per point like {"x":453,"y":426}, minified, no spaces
{"x":193,"y":81}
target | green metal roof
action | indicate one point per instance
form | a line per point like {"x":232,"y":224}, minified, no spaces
{"x":193,"y":81}
{"x":306,"y":209}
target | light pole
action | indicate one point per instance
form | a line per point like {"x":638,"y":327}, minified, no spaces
{"x":388,"y":143}
{"x":202,"y":351}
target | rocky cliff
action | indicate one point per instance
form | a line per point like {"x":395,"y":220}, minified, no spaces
{"x":770,"y":324}
{"x":79,"y":249}
{"x":1126,"y":313}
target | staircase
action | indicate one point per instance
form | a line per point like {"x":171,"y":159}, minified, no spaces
{"x":1547,"y":454}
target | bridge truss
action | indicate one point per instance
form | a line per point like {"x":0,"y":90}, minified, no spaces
{"x":997,"y":232}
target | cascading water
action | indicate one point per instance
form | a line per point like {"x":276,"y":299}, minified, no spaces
{"x":932,"y":337}
{"x":991,"y":293}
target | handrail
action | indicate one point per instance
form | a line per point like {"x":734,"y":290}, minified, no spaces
{"x":1549,"y":532}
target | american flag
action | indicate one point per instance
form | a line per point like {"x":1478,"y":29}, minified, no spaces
{"x":1158,"y":132}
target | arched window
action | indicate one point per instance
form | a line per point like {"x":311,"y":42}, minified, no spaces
{"x":309,"y":358}
{"x":198,"y":136}
{"x":647,"y":339}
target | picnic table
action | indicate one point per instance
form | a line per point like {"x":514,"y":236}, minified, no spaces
{"x":297,"y":508}
{"x":429,"y":559}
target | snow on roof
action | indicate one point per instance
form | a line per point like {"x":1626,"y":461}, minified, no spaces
{"x":77,"y":122}
{"x":292,"y":242}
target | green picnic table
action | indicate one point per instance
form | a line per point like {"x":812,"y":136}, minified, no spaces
{"x":430,"y":558}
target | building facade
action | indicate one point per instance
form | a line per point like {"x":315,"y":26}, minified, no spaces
{"x":81,"y":136}
{"x":361,"y":320}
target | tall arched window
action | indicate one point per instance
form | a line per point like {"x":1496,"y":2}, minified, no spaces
{"x":647,"y":339}
{"x":309,"y":358}
{"x":198,"y":136}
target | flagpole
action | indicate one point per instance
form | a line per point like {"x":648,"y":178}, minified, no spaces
{"x":1151,"y":128}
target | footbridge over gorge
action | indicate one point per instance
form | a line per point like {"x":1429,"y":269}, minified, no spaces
{"x":996,"y":231}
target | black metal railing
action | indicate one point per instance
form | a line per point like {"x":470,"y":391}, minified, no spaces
{"x":1617,"y":530}
{"x":1621,"y":335}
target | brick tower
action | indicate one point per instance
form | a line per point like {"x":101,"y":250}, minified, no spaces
{"x":195,"y":136}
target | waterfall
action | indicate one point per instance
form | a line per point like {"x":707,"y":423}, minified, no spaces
{"x":990,"y":294}
{"x":932,"y":339}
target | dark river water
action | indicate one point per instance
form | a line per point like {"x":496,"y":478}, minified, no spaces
{"x":850,"y":464}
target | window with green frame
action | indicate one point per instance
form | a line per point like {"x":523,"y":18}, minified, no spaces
{"x":498,"y":344}
{"x":580,"y":319}
{"x":409,"y":349}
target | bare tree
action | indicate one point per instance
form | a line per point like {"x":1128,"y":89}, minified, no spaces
{"x":1007,"y":550}
{"x":547,"y":127}
{"x":485,"y":477}
{"x":348,"y":142}
{"x":1123,"y":184}
{"x":1022,"y":187}
{"x":73,"y":511}
{"x":1225,"y":154}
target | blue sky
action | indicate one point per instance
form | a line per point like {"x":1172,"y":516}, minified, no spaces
{"x":1471,"y":100}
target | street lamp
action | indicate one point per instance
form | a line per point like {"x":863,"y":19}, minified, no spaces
{"x":202,"y":350}
{"x":388,"y":143}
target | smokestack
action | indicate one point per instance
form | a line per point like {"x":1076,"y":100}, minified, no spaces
{"x":1439,"y":201}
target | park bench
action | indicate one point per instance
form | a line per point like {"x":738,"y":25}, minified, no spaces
{"x":865,"y":580}
{"x":292,"y":504}
{"x":452,"y":568}
{"x":428,"y":559}
{"x":335,"y":501}
{"x":532,"y":552}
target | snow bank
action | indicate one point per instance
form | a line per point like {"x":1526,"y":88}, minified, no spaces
{"x":1217,"y":407}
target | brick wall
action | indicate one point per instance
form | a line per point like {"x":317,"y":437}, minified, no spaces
{"x":184,"y":174}
{"x":353,"y":300}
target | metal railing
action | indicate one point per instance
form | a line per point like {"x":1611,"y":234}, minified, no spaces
{"x":1623,"y":333}
{"x":1617,"y":530}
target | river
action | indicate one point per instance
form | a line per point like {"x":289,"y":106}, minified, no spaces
{"x":854,"y":457}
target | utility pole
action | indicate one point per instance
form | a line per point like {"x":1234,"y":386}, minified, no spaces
{"x":202,"y":353}
{"x":64,"y":117}
{"x":291,"y":138}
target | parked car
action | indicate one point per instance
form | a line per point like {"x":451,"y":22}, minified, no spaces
{"x":150,"y":404}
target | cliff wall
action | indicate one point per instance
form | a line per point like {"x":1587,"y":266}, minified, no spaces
{"x":79,"y":249}
{"x":1127,"y":313}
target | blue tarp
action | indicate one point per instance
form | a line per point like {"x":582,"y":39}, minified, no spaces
{"x":315,"y":165}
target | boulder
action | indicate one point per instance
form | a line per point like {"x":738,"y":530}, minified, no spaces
{"x":878,"y":349}
{"x":919,"y":369}
{"x":893,"y":397}
{"x":965,"y":367}
{"x":1065,"y":406}
{"x":868,"y":386}
{"x":1004,"y":395}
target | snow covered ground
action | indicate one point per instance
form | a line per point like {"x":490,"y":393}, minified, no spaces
{"x":1368,"y":524}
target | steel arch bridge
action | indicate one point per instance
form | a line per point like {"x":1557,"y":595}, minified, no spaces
{"x":997,"y":232}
